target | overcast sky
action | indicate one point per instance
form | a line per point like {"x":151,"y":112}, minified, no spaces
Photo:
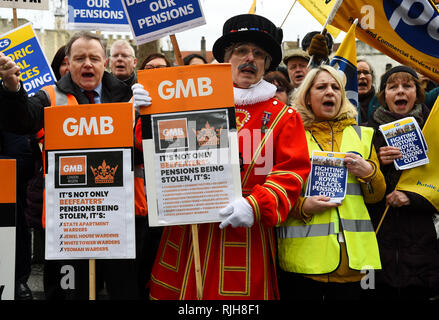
{"x":216,"y":12}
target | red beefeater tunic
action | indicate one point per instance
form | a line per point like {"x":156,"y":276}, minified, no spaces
{"x":239,"y":263}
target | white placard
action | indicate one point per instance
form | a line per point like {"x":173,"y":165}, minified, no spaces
{"x":25,"y":4}
{"x":7,"y":263}
{"x":90,"y":205}
{"x":193,"y":167}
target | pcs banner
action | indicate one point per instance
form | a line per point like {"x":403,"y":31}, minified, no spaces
{"x":320,"y":10}
{"x":405,"y":30}
{"x":23,"y":47}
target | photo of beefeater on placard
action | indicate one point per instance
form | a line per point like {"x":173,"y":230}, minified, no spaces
{"x":191,"y":131}
{"x":211,"y":129}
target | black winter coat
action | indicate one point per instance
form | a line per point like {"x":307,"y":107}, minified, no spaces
{"x":407,"y":237}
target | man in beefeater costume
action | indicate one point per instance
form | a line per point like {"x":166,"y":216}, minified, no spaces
{"x":238,"y":256}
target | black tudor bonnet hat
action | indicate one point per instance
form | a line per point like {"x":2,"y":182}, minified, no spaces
{"x":396,"y":69}
{"x":250,"y":28}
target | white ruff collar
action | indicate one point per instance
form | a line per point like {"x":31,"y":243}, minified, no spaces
{"x":257,"y":92}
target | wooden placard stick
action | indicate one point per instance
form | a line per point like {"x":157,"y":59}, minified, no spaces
{"x":194,"y":227}
{"x":92,"y":279}
{"x":197,"y":264}
{"x":15,"y":19}
{"x":177,"y":52}
{"x":382,"y":219}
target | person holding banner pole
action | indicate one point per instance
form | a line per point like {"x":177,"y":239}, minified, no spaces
{"x":238,"y":256}
{"x":406,"y":234}
{"x":324,"y":246}
{"x":297,"y":61}
{"x":318,"y":45}
{"x":87,"y":82}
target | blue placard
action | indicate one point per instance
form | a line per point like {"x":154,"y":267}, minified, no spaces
{"x":23,"y":47}
{"x":406,"y":135}
{"x":151,"y":20}
{"x":411,"y":146}
{"x":328,"y":176}
{"x":97,"y":14}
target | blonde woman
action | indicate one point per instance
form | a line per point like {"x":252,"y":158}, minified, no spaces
{"x":324,"y":247}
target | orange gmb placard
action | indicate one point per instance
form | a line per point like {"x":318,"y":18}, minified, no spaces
{"x":187,"y":88}
{"x":105,"y":125}
{"x":8,"y":187}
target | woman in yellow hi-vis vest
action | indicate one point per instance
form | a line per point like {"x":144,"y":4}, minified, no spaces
{"x":325,"y":248}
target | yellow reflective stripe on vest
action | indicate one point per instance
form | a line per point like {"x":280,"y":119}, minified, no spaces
{"x":354,"y":189}
{"x":321,"y":230}
{"x":355,"y":225}
{"x":307,"y":230}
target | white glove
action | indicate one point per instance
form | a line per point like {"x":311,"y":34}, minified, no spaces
{"x":239,"y":213}
{"x":141,"y":96}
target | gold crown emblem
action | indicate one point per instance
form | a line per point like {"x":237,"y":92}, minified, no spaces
{"x":104,"y":173}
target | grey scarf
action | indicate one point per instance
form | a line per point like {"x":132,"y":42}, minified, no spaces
{"x":383,"y":115}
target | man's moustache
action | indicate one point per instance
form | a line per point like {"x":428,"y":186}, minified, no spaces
{"x":248,"y":65}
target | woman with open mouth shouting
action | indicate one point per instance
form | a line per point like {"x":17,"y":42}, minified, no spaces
{"x":325,"y":247}
{"x":407,"y":236}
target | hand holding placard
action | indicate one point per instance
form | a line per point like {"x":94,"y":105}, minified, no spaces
{"x":238,"y":214}
{"x":318,"y":204}
{"x":9,"y":72}
{"x":141,"y":96}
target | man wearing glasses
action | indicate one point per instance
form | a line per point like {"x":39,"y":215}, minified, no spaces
{"x":366,"y":90}
{"x":238,"y":255}
{"x":123,"y":62}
